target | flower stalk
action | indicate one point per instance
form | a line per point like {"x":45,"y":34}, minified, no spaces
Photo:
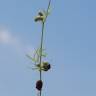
{"x":39,"y":54}
{"x":42,"y":36}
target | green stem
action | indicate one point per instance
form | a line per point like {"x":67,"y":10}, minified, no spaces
{"x":41,"y":48}
{"x":41,"y":45}
{"x":47,"y":10}
{"x":42,"y":35}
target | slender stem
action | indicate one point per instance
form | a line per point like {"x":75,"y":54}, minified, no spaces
{"x":47,"y":10}
{"x":41,"y":45}
{"x":41,"y":49}
{"x":41,"y":52}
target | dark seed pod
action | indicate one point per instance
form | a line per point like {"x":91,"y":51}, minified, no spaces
{"x":46,"y":66}
{"x":39,"y":18}
{"x":41,"y":13}
{"x":39,"y":85}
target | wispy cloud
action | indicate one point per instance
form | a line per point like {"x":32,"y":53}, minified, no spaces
{"x":7,"y":38}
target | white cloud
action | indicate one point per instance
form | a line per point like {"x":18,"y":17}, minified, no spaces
{"x":7,"y":38}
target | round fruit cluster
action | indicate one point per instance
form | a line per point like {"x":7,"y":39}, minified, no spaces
{"x":40,"y":16}
{"x":39,"y":85}
{"x":45,"y":66}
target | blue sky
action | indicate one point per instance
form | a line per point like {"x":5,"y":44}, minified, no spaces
{"x":70,"y":41}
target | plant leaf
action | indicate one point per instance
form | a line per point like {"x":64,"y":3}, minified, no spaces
{"x":33,"y":59}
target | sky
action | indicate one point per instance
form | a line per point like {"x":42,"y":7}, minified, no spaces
{"x":70,"y":41}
